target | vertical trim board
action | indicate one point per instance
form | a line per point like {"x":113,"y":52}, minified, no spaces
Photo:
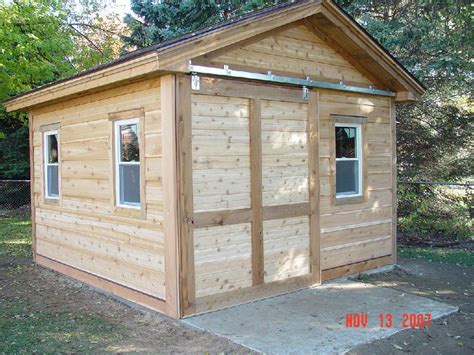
{"x":314,"y":195}
{"x":185,"y":188}
{"x":393,"y":121}
{"x":255,"y":127}
{"x":32,"y":185}
{"x":170,"y":193}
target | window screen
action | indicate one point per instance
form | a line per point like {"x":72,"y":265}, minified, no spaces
{"x":348,"y":163}
{"x":128,"y":163}
{"x":51,"y":164}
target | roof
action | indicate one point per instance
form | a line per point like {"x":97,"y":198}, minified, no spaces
{"x":158,"y":57}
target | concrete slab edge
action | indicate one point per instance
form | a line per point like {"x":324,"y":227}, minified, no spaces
{"x":220,"y":335}
{"x":379,"y":270}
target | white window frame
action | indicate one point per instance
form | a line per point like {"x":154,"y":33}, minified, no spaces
{"x":358,"y":158}
{"x":117,"y":125}
{"x":46,"y":163}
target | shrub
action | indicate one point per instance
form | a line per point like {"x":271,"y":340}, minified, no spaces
{"x":435,"y":213}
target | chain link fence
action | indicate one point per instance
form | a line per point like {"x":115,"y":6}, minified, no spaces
{"x":14,"y":197}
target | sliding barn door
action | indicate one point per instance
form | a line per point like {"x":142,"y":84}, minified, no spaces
{"x":285,"y":184}
{"x":221,"y":188}
{"x":253,"y":156}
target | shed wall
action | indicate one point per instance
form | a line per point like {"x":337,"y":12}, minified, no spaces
{"x":352,"y":233}
{"x":342,"y":237}
{"x":263,"y":218}
{"x":82,"y":229}
{"x":294,"y":51}
{"x":249,"y":154}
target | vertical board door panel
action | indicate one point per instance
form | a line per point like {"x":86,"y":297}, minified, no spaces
{"x":249,"y":154}
{"x":285,"y":173}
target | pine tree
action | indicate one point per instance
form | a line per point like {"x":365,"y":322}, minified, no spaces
{"x":156,"y":21}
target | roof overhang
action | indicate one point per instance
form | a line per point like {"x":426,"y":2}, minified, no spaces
{"x":173,"y":56}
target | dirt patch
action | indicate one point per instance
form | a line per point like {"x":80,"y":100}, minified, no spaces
{"x":69,"y":309}
{"x":43,"y":311}
{"x":452,"y":284}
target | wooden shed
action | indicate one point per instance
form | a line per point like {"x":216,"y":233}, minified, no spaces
{"x":245,"y":160}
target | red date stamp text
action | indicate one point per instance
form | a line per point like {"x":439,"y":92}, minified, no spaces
{"x":386,"y":320}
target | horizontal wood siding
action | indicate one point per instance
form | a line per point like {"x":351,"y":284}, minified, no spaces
{"x":83,"y":230}
{"x":295,"y":51}
{"x":284,"y":152}
{"x":352,"y":233}
{"x":285,"y":182}
{"x":223,"y":260}
{"x":286,"y":248}
{"x":220,"y":149}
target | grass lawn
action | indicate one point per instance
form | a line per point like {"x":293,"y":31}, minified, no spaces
{"x":26,"y":329}
{"x":15,"y":237}
{"x":441,"y":255}
{"x":31,"y":326}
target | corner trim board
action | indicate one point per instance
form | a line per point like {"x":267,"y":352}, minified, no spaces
{"x":32,"y":183}
{"x":170,"y":194}
{"x":186,"y":267}
{"x":393,"y":136}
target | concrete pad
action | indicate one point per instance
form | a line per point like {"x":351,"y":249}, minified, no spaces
{"x":314,"y":320}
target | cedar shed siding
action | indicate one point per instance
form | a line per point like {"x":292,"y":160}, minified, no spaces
{"x":293,"y":50}
{"x":350,"y":233}
{"x":238,"y":177}
{"x":83,"y":229}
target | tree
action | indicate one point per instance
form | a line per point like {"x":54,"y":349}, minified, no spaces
{"x":154,"y":22}
{"x":34,"y":52}
{"x":96,"y":31}
{"x":44,"y":41}
{"x":35,"y":49}
{"x":433,"y":39}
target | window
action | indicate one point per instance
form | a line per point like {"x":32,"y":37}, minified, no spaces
{"x":51,"y":164}
{"x":348,"y":160}
{"x":127,"y":163}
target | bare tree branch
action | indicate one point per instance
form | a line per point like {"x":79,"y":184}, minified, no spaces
{"x":92,"y":26}
{"x":97,"y":48}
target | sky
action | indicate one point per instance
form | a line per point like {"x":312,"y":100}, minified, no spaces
{"x":120,"y":6}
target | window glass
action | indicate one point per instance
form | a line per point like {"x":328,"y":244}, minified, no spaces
{"x":348,"y":165}
{"x":127,"y":163}
{"x":129,"y":143}
{"x":130,"y":184}
{"x":346,"y":142}
{"x":53,"y":188}
{"x":51,"y":164}
{"x":347,"y":177}
{"x":52,"y":149}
